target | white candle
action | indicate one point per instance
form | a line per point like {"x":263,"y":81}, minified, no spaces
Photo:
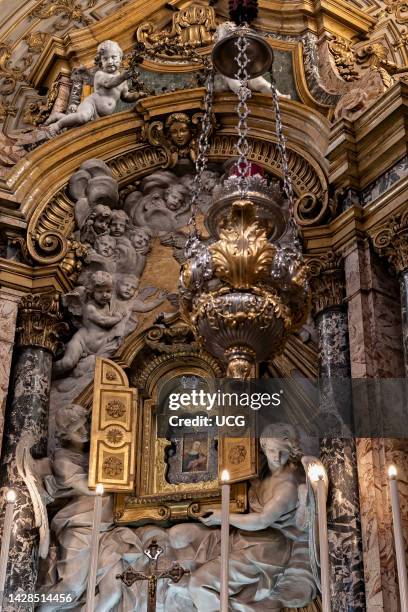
{"x":5,"y":540}
{"x":316,"y":473}
{"x":398,"y":539}
{"x":93,"y":567}
{"x":225,"y":499}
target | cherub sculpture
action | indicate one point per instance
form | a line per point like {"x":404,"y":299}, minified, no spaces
{"x":96,"y":224}
{"x":177,"y":135}
{"x":161,"y":205}
{"x":102,"y":257}
{"x":110,"y":86}
{"x":258,"y":84}
{"x":98,"y":320}
{"x":129,"y":300}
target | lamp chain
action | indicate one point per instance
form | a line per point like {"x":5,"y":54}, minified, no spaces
{"x":201,"y":162}
{"x":244,"y":93}
{"x":287,"y":181}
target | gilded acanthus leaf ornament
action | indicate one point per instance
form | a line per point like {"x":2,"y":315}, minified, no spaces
{"x":11,"y":74}
{"x":7,"y":109}
{"x":391,"y":241}
{"x":344,"y":58}
{"x":67,"y":11}
{"x":243,"y":256}
{"x":37,"y":112}
{"x":35,"y":41}
{"x":326,"y":280}
{"x":40,"y":321}
{"x":192,"y":27}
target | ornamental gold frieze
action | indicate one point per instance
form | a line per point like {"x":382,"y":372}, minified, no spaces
{"x":390,"y":240}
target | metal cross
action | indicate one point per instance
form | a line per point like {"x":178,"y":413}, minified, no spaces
{"x":175,"y":573}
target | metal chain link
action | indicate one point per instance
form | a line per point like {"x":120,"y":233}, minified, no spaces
{"x":201,"y":162}
{"x":244,"y":94}
{"x":287,"y":181}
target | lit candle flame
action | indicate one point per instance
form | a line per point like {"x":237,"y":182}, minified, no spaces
{"x":392,"y":471}
{"x":99,"y":489}
{"x":225,"y":476}
{"x":316,"y":472}
{"x":11,"y":496}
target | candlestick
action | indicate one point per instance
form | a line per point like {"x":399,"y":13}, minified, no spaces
{"x":316,"y":474}
{"x":398,"y":539}
{"x":93,"y":568}
{"x":5,"y":540}
{"x":225,"y":499}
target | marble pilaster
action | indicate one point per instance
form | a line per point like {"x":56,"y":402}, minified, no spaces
{"x":25,"y":436}
{"x":338,"y":453}
{"x":8,"y":317}
{"x":403,"y":280}
{"x":375,"y":352}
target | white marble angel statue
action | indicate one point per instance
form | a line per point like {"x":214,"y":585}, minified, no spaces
{"x":273,"y":558}
{"x":258,"y":84}
{"x":110,"y":86}
{"x":100,"y":324}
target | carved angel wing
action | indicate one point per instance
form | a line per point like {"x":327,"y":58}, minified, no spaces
{"x":74,"y":300}
{"x":26,"y":467}
{"x":145,"y":292}
{"x":310,"y":514}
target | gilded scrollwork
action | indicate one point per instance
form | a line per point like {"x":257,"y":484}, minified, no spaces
{"x":66,"y":11}
{"x":11,"y":74}
{"x":37,"y":112}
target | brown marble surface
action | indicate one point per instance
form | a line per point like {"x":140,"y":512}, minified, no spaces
{"x":376,"y":352}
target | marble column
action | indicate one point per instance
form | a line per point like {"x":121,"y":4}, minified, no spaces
{"x":338,"y":453}
{"x":8,"y":317}
{"x":25,"y":435}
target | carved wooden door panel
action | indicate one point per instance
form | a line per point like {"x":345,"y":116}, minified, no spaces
{"x":114,"y":418}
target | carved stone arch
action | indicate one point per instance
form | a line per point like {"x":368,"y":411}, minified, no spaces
{"x":122,"y":141}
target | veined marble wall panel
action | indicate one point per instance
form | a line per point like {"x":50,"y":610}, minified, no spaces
{"x":8,"y":317}
{"x":376,"y":351}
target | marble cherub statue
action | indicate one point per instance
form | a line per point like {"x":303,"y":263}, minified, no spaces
{"x":98,"y":321}
{"x":96,"y":224}
{"x":129,"y":300}
{"x":110,"y":86}
{"x":273,"y":561}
